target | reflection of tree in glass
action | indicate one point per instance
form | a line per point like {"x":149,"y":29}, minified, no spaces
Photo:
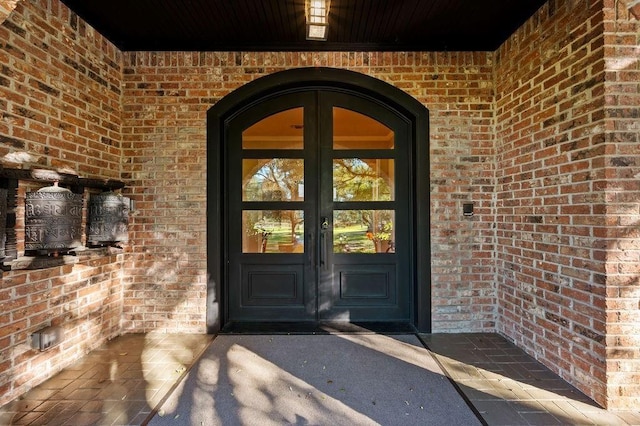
{"x":363,"y":231}
{"x":344,"y":218}
{"x":379,"y":224}
{"x":270,"y":225}
{"x":295,"y":218}
{"x":278,"y":179}
{"x":356,"y":180}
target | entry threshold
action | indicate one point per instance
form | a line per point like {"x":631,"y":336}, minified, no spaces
{"x":331,"y":327}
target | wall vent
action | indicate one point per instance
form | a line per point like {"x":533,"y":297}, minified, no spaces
{"x":46,"y":338}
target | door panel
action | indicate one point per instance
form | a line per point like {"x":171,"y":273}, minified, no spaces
{"x":361,"y":285}
{"x":269,"y":275}
{"x":318,"y":211}
{"x":272,"y":285}
{"x":366,"y":276}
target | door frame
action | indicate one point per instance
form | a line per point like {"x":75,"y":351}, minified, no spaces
{"x":303,"y":79}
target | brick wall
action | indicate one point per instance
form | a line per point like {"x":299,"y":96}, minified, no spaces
{"x":59,"y":108}
{"x":6,"y":7}
{"x":567,"y":195}
{"x":550,"y":198}
{"x":164,"y":123}
{"x":541,"y":135}
{"x":622,"y":195}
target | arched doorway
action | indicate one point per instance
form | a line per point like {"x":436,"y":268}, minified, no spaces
{"x":318,"y":202}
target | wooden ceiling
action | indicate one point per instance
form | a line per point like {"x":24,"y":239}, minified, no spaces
{"x":279,"y":25}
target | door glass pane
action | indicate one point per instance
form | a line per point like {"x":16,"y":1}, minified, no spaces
{"x":362,"y":179}
{"x":364,"y":231}
{"x":272,"y":179}
{"x":283,"y":130}
{"x":352,"y":130}
{"x":272,"y":231}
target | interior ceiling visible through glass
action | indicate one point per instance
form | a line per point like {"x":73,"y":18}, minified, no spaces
{"x":284,"y":130}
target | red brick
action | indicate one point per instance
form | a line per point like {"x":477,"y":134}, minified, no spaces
{"x":533,"y":111}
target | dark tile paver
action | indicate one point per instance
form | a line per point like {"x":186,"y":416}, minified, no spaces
{"x":498,"y":412}
{"x":115,"y":384}
{"x":124,"y":380}
{"x":510,"y":387}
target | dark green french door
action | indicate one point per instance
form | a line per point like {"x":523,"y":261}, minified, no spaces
{"x":318,"y":211}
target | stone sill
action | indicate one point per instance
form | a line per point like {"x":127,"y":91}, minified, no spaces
{"x":44,"y":262}
{"x":44,"y":175}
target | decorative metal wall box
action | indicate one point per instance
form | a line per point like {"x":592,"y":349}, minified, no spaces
{"x":3,"y":222}
{"x":53,"y":220}
{"x":108,"y":219}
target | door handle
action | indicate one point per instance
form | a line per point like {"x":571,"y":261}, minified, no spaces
{"x":323,"y":250}
{"x":324,"y":226}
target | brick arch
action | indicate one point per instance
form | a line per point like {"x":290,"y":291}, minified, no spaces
{"x":634,"y":8}
{"x":6,"y":7}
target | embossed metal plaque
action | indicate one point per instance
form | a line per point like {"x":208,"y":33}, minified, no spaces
{"x":108,"y":219}
{"x":53,"y":220}
{"x":3,"y":221}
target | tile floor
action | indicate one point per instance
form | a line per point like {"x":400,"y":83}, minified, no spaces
{"x":118,"y":384}
{"x":122,"y":382}
{"x":508,"y":387}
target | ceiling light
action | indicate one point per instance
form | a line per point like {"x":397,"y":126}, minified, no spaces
{"x":317,"y":12}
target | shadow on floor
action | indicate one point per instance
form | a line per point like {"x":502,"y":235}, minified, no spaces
{"x":118,"y":383}
{"x":333,"y":379}
{"x":127,"y":378}
{"x":509,"y":387}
